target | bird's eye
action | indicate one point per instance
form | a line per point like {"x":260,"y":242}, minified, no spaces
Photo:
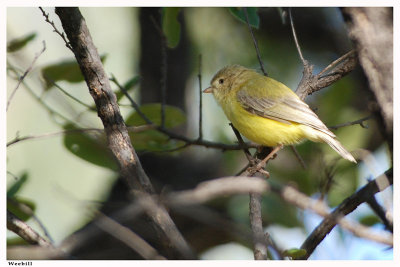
{"x":221,"y":81}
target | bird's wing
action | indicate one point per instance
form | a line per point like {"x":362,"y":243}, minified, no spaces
{"x":286,"y":109}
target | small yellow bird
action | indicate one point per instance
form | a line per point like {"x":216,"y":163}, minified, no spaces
{"x":268,"y":112}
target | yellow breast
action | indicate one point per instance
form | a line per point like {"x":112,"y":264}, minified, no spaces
{"x":261,"y":130}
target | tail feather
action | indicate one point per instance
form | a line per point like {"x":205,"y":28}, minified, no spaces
{"x":337,"y":146}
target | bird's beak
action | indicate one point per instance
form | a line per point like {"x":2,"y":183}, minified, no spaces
{"x":208,"y":90}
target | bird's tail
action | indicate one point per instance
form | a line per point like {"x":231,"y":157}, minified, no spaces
{"x":337,"y":146}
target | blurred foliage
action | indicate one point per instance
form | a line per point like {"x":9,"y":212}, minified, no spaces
{"x":153,"y":140}
{"x":294,"y":253}
{"x":274,"y":211}
{"x":130,"y":84}
{"x":19,"y":205}
{"x":173,"y":115}
{"x":369,"y":220}
{"x":170,"y":25}
{"x":239,"y":13}
{"x":19,"y":43}
{"x":16,"y":241}
{"x":90,"y":148}
{"x":64,"y":71}
{"x":15,"y":187}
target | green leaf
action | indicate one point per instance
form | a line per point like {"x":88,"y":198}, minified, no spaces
{"x":89,"y":148}
{"x":170,"y":25}
{"x":19,"y":43}
{"x":294,"y":253}
{"x":16,"y":206}
{"x":65,"y":71}
{"x":254,"y":19}
{"x":369,"y":220}
{"x":17,"y":185}
{"x":173,"y":115}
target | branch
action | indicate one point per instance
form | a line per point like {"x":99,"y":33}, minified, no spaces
{"x":99,"y":87}
{"x":22,"y":252}
{"x":360,"y":122}
{"x":312,"y":83}
{"x":128,"y":237}
{"x":61,"y":34}
{"x":25,"y":74}
{"x":27,"y":210}
{"x":25,"y":231}
{"x":347,"y":206}
{"x":212,"y":189}
{"x":117,"y":134}
{"x":381,"y":213}
{"x":295,"y":38}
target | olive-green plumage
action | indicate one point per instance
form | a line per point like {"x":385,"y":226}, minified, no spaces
{"x":268,"y":112}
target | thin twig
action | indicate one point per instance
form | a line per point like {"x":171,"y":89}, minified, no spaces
{"x":335,"y":62}
{"x":25,"y":74}
{"x":164,"y":67}
{"x":133,"y":103}
{"x":200,"y":102}
{"x":133,"y":129}
{"x":295,"y":38}
{"x":163,"y":82}
{"x":360,"y":122}
{"x":380,"y":212}
{"x":298,"y":156}
{"x":241,"y":142}
{"x":46,"y":15}
{"x":39,"y":99}
{"x":68,"y":94}
{"x":254,"y":41}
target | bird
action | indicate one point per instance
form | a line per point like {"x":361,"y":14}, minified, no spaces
{"x":267,"y":112}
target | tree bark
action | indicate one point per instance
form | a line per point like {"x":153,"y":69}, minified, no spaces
{"x":371,"y":29}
